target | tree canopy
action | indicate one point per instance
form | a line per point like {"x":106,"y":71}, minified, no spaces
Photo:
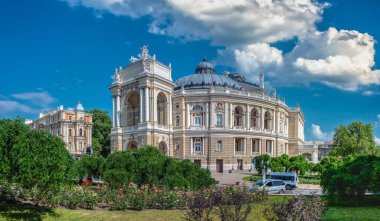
{"x":355,"y":139}
{"x":101,"y":129}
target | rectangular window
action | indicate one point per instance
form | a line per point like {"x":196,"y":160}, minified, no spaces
{"x":219,"y":145}
{"x":198,"y":121}
{"x":198,"y":144}
{"x":176,"y":146}
{"x":255,"y":146}
{"x":70,"y":132}
{"x":219,"y":119}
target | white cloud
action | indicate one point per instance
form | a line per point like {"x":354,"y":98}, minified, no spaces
{"x":341,"y":59}
{"x":377,"y":140}
{"x":224,"y":22}
{"x":370,"y":93}
{"x":319,"y":134}
{"x":38,"y":98}
{"x":7,"y":107}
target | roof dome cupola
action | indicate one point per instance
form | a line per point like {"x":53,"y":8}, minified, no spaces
{"x":205,"y":67}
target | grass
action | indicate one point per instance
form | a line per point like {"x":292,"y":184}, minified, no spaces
{"x":17,"y":211}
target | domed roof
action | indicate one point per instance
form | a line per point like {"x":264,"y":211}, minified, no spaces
{"x":206,"y":81}
{"x":205,"y":67}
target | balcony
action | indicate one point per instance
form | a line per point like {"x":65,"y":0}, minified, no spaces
{"x":197,"y":153}
{"x":239,"y":127}
{"x":131,"y":128}
{"x":239,"y":152}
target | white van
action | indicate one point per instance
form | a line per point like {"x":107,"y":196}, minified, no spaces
{"x":270,"y":185}
{"x":290,"y":178}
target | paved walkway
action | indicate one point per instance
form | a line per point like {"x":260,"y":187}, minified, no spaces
{"x":229,"y":178}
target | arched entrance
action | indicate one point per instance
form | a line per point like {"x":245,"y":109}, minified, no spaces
{"x":132,"y":110}
{"x":163,"y":147}
{"x":132,"y":145}
{"x":162,"y":109}
{"x":308,"y":156}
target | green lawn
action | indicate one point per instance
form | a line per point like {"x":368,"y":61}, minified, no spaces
{"x":12,"y":211}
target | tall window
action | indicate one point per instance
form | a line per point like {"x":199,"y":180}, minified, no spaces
{"x":132,"y":110}
{"x":219,"y":119}
{"x":80,"y":145}
{"x":198,"y":145}
{"x":219,"y":145}
{"x":177,"y":121}
{"x":80,"y":132}
{"x":254,"y":118}
{"x":255,"y":145}
{"x":198,"y":115}
{"x":267,"y":119}
{"x":161,"y":108}
{"x":269,"y":146}
{"x":70,"y":132}
{"x":238,"y":144}
{"x":238,"y":116}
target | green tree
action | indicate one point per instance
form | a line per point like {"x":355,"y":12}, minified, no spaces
{"x":298,"y":164}
{"x":353,"y":177}
{"x":91,"y":166}
{"x":40,"y":160}
{"x":10,"y":129}
{"x":326,"y":163}
{"x":260,"y":161}
{"x":147,"y":165}
{"x":101,"y":129}
{"x":355,"y":139}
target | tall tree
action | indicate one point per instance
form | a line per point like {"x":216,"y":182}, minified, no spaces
{"x":101,"y":129}
{"x":10,"y":129}
{"x":355,"y":139}
{"x":40,"y":160}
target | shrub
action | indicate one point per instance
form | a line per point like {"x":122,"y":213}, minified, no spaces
{"x":297,"y":208}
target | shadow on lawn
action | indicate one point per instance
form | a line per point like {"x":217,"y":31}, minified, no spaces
{"x":23,"y":211}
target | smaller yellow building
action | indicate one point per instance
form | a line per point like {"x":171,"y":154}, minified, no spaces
{"x":72,"y":125}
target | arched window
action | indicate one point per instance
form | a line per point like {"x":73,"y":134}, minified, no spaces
{"x":132,"y":109}
{"x":254,"y":118}
{"x":238,"y":116}
{"x":80,"y":132}
{"x":161,"y":109}
{"x":198,"y":115}
{"x":267,"y":120}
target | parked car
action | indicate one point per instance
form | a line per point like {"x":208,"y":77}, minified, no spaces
{"x":270,"y":185}
{"x":290,"y":178}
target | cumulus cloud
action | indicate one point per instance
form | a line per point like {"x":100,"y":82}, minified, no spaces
{"x":38,"y":98}
{"x":319,"y":134}
{"x":247,"y":30}
{"x":223,"y":22}
{"x":25,"y":103}
{"x":7,"y":107}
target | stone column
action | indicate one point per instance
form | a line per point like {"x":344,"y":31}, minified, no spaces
{"x":141,"y":104}
{"x":118,"y":110}
{"x":225,"y":125}
{"x":212,"y":114}
{"x":187,"y":116}
{"x":234,"y":146}
{"x":155,"y":105}
{"x":231,"y":117}
{"x":146,"y":104}
{"x":170,"y":110}
{"x":248,"y":115}
{"x":113,"y":111}
{"x":274,"y":121}
{"x":262,"y":118}
{"x":245,"y":146}
{"x":206,"y":116}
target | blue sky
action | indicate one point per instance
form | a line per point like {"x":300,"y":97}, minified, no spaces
{"x":61,"y":52}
